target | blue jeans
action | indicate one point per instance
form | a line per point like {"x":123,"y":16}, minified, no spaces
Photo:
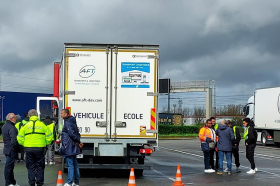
{"x":9,"y":168}
{"x":206,"y":159}
{"x":73,"y":169}
{"x":221,"y":159}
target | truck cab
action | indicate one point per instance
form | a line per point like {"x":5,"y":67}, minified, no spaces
{"x":248,"y":109}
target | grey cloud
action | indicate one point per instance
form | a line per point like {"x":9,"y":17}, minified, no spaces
{"x":234,"y":42}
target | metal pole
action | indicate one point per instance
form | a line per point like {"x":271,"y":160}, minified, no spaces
{"x":174,"y":105}
{"x":2,"y":101}
{"x":168,"y":107}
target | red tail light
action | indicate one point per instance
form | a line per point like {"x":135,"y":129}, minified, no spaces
{"x":269,"y":137}
{"x":146,"y":151}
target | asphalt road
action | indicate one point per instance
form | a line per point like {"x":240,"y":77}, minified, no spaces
{"x":171,"y":153}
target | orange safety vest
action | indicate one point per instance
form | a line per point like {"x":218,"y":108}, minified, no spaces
{"x":204,"y":133}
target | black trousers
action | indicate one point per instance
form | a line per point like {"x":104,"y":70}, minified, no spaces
{"x":250,"y":150}
{"x":235,"y":152}
{"x":35,"y":164}
{"x":9,"y":168}
{"x":211,"y":162}
{"x":21,"y":152}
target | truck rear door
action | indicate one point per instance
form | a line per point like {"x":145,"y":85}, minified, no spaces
{"x":134,"y":73}
{"x":86,"y":86}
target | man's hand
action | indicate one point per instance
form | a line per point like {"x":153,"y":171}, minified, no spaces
{"x":208,"y":140}
{"x":81,"y":145}
{"x":246,"y":143}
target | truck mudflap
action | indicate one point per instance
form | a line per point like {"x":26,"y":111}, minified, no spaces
{"x":115,"y":166}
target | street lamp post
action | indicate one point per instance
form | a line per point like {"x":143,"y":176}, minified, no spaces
{"x":2,"y":104}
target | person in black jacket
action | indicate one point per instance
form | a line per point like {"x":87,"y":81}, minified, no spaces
{"x":10,"y":149}
{"x":224,"y":146}
{"x":250,"y":137}
{"x":71,"y":146}
{"x":235,"y":146}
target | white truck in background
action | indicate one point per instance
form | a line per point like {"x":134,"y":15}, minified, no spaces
{"x":264,"y":109}
{"x":112,"y":91}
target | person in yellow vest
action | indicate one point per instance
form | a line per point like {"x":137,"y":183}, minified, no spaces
{"x":250,"y":137}
{"x":49,"y":157}
{"x":35,"y":136}
{"x":18,"y":126}
{"x":235,"y":146}
{"x":207,"y":136}
{"x":26,"y":119}
{"x":214,"y":151}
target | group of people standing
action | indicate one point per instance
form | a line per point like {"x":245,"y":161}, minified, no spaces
{"x":223,"y":140}
{"x":34,"y":138}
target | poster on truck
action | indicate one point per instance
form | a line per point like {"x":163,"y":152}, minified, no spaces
{"x":135,"y":74}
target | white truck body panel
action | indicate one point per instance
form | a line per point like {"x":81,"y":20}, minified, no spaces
{"x":135,"y":77}
{"x":86,"y":75}
{"x":266,"y":113}
{"x":124,"y":100}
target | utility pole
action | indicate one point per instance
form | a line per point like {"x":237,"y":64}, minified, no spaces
{"x":168,"y":99}
{"x":180,"y":103}
{"x":174,"y":105}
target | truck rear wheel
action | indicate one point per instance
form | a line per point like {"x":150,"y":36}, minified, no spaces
{"x":64,"y":170}
{"x":139,"y":172}
{"x":263,"y":139}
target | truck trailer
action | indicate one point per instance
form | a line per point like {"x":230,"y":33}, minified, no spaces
{"x":264,"y":109}
{"x":112,"y":91}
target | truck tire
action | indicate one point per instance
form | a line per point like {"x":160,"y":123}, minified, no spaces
{"x":277,"y":144}
{"x":64,"y":170}
{"x":139,"y":172}
{"x":263,"y":139}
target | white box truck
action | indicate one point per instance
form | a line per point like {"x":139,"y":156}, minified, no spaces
{"x":112,"y":91}
{"x":264,"y":109}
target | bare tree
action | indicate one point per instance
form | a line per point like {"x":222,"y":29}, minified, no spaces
{"x":230,"y":110}
{"x":187,"y":111}
{"x":164,"y":110}
{"x":199,"y":114}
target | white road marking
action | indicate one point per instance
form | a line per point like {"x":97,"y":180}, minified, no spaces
{"x":271,"y":173}
{"x":272,"y":148}
{"x":264,"y":155}
{"x":172,"y":179}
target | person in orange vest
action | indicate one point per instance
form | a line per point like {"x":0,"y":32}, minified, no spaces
{"x":208,"y":140}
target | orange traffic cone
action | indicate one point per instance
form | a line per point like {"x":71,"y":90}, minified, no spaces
{"x":178,"y":180}
{"x":59,"y":181}
{"x":131,"y":181}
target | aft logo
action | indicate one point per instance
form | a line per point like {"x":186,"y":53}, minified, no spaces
{"x":87,"y":71}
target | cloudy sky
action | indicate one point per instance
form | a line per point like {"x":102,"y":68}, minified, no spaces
{"x":236,"y":43}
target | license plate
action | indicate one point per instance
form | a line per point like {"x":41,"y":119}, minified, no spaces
{"x":80,"y":156}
